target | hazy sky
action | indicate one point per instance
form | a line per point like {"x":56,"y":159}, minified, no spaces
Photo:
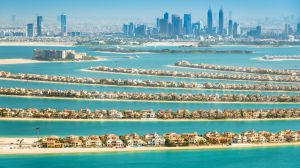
{"x":78,"y":10}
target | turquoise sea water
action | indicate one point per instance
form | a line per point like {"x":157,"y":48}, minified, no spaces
{"x":27,"y":128}
{"x":262,"y":157}
{"x":235,"y":158}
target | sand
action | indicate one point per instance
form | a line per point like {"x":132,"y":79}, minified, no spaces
{"x":145,"y":120}
{"x":5,"y":150}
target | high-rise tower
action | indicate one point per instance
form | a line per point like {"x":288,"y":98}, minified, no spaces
{"x":209,"y":22}
{"x":39,"y":25}
{"x":187,"y":25}
{"x":221,"y":22}
{"x":63,"y":25}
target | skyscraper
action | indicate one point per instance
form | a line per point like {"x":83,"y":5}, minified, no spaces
{"x":298,"y":28}
{"x":131,"y":28}
{"x":187,"y":25}
{"x":157,"y":23}
{"x":288,"y":29}
{"x":39,"y":25}
{"x":256,"y":33}
{"x":166,"y":16}
{"x":126,"y":29}
{"x":236,"y":29}
{"x":209,"y":22}
{"x":163,"y":29}
{"x":177,"y":25}
{"x":63,"y":25}
{"x":230,"y":27}
{"x":140,"y":30}
{"x":221,"y":22}
{"x":196,"y":28}
{"x":30,"y":30}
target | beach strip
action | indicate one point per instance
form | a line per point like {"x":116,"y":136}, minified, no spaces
{"x":39,"y":151}
{"x":143,"y":120}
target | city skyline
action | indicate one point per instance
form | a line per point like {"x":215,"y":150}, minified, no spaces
{"x":25,"y":11}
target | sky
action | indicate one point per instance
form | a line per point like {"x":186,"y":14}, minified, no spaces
{"x":143,"y":10}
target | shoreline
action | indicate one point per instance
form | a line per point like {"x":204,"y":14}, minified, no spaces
{"x":36,"y":44}
{"x":16,"y":61}
{"x":145,"y":120}
{"x":38,"y":151}
{"x":144,"y":101}
{"x":239,"y":80}
{"x":229,"y":72}
{"x":145,"y":87}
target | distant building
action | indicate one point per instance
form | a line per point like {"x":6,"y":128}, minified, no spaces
{"x":236,"y":29}
{"x":255,"y":32}
{"x":126,"y":29}
{"x":209,"y":22}
{"x":187,"y":25}
{"x":196,"y":27}
{"x":177,"y":25}
{"x":39,"y":24}
{"x":221,"y":22}
{"x":298,"y":28}
{"x":63,"y":24}
{"x":140,"y":30}
{"x":157,"y":23}
{"x":131,"y":29}
{"x":52,"y":55}
{"x":164,"y":27}
{"x":258,"y":31}
{"x":288,"y":29}
{"x":170,"y":29}
{"x":166,"y":16}
{"x":74,"y":34}
{"x":30,"y":30}
{"x":230,"y":27}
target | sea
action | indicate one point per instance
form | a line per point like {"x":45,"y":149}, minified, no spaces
{"x":265,"y":157}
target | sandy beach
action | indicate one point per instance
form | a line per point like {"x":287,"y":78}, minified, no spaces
{"x":145,"y":120}
{"x":31,"y":61}
{"x":50,"y":44}
{"x":5,"y":150}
